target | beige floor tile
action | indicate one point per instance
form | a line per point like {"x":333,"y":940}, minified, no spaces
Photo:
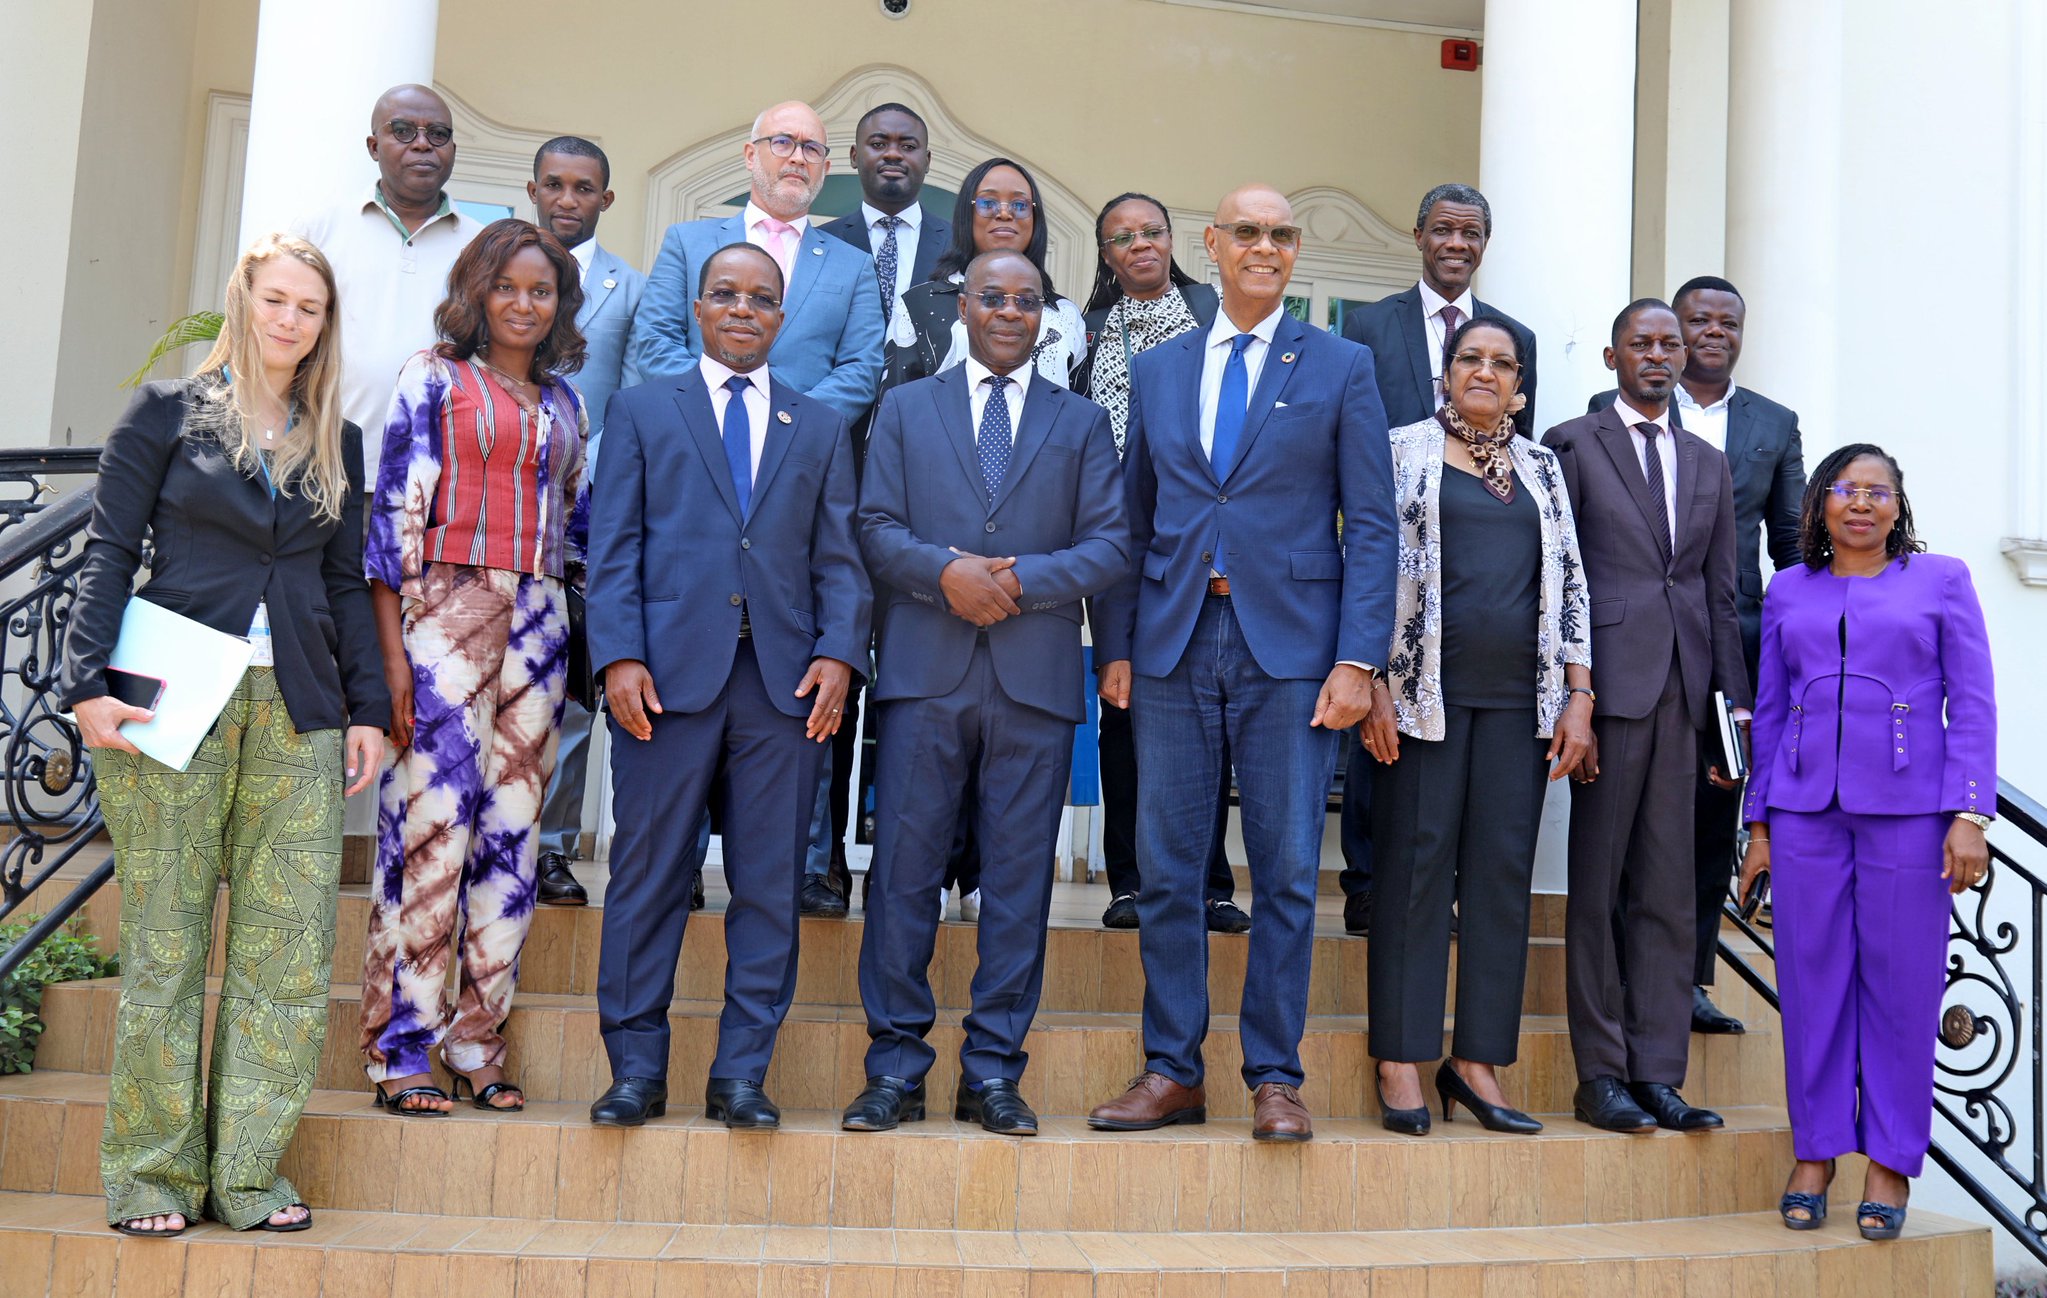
{"x":35,"y":1136}
{"x":526,"y":1168}
{"x":619,"y":1278}
{"x":988,"y":1176}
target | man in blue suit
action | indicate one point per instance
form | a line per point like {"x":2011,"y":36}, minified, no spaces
{"x":829,"y":347}
{"x":727,"y":604}
{"x":570,"y":190}
{"x":991,"y":508}
{"x":1248,"y":627}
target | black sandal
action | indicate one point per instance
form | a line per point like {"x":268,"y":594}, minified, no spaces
{"x":303,"y":1223}
{"x":482,"y":1099}
{"x":396,"y":1103}
{"x":126,"y":1227}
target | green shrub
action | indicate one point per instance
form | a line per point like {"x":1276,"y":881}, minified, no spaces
{"x":68,"y":955}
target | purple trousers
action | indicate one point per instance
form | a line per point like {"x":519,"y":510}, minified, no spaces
{"x":1862,"y":928}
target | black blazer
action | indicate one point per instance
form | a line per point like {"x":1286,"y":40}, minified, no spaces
{"x":934,"y":236}
{"x":1399,"y":338}
{"x":1201,"y":299}
{"x":221,"y":545}
{"x":1768,"y":466}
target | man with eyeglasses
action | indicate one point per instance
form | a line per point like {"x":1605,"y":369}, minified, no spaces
{"x":829,"y":346}
{"x":728,"y":610}
{"x":1406,"y":333}
{"x":391,"y":247}
{"x":1247,"y":626}
{"x":991,"y":509}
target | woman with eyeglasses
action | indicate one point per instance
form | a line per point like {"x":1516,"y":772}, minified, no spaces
{"x":480,"y":518}
{"x":1875,"y":740}
{"x":1488,"y":683}
{"x":997,"y":208}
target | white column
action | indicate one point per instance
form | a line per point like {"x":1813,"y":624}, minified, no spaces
{"x":319,"y":70}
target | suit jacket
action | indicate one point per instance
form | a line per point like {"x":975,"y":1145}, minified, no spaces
{"x":829,"y":347}
{"x":1314,"y":442}
{"x":611,"y":297}
{"x":1644,"y":608}
{"x":1768,"y":466}
{"x":1059,"y":511}
{"x":1399,"y":338}
{"x":1202,"y":303}
{"x":223,"y":543}
{"x":934,"y":236}
{"x":1864,"y":725}
{"x":672,"y":562}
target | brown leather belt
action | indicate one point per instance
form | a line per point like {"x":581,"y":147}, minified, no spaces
{"x":1218,"y":585}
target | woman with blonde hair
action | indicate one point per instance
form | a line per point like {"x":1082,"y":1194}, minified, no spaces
{"x":249,"y":485}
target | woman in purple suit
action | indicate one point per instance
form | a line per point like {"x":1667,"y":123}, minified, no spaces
{"x":1875,"y":775}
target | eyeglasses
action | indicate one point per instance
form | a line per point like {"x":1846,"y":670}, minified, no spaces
{"x":1877,"y":496}
{"x":1028,"y":303}
{"x":783,"y":146}
{"x":1124,"y":238}
{"x":1001,"y":207}
{"x":729,"y":298}
{"x":1497,"y":364}
{"x":406,"y":132}
{"x":1248,"y":233}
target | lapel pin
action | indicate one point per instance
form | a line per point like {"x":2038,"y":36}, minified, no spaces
{"x":817,"y":252}
{"x":783,"y":415}
{"x":1286,"y":358}
{"x":611,"y":283}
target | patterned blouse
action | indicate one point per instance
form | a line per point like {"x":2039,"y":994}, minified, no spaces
{"x":1132,"y":326}
{"x":1414,"y":662}
{"x":469,"y":476}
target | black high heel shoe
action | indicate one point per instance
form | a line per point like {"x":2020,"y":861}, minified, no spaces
{"x":1451,"y":1088}
{"x":1405,"y":1122}
{"x":1814,"y":1205}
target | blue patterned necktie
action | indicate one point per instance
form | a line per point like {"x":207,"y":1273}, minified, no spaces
{"x":738,"y":431}
{"x":885,"y":265}
{"x":996,"y":435}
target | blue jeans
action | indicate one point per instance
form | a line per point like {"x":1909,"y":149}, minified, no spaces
{"x":1217,"y":699}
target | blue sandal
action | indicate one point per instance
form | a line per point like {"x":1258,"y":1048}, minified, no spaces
{"x":1892,"y":1216}
{"x":1814,"y":1205}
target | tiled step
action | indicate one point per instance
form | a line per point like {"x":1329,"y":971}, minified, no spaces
{"x":550,"y":1163}
{"x":1077,"y":1060}
{"x":59,"y":1244}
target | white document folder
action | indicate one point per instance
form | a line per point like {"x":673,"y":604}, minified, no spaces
{"x":199,"y":667}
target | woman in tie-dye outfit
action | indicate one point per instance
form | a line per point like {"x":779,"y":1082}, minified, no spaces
{"x":479,"y":520}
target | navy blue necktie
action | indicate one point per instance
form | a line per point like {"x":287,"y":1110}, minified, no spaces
{"x":996,"y":435}
{"x":738,"y":432}
{"x":1230,"y":402}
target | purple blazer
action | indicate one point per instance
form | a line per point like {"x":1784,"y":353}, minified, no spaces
{"x":1903,"y":721}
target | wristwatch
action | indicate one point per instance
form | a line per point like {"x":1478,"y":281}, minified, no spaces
{"x":1580,"y":689}
{"x":1976,"y":818}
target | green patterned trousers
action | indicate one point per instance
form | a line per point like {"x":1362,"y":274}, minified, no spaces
{"x":259,"y":807}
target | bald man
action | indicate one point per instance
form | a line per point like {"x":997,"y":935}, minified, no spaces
{"x":391,"y":246}
{"x":830,"y":345}
{"x":1246,"y":627}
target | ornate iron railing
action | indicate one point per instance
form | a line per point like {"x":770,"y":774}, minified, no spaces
{"x":1996,"y":979}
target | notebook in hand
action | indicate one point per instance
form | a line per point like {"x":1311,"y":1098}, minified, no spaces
{"x":1733,"y":761}
{"x":199,"y":668}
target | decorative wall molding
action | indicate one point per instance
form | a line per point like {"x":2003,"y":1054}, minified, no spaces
{"x":214,"y":248}
{"x":2022,"y":547}
{"x":1344,"y":244}
{"x":1261,"y":10}
{"x":494,"y":160}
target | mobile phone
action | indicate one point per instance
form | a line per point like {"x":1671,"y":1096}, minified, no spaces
{"x":135,"y":689}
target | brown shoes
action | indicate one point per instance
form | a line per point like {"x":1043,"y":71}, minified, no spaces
{"x":1154,"y":1100}
{"x":1278,"y":1114}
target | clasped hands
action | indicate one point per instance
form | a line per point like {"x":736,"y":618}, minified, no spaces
{"x":629,"y":693}
{"x":980,"y":589}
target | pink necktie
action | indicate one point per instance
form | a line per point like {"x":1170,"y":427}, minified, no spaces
{"x":781,"y":245}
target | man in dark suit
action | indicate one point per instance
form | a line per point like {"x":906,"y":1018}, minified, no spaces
{"x":891,"y":151}
{"x":1249,"y":628}
{"x":1760,"y":439}
{"x":727,"y":604}
{"x":1406,"y":334}
{"x":1655,"y":514}
{"x":990,"y":510}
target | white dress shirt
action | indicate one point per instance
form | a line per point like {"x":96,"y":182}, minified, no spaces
{"x":1216,"y":355}
{"x":1012,"y":394}
{"x":907,"y":234}
{"x":1666,"y":452}
{"x":1709,"y":422}
{"x":583,"y":252}
{"x":1433,"y":323}
{"x":756,"y":398}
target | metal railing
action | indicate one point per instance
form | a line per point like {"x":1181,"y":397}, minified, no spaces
{"x":1996,"y":927}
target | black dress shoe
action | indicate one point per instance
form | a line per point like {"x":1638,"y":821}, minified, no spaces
{"x":696,"y":892}
{"x":1669,"y":1108}
{"x":1122,"y":911}
{"x":630,"y":1102}
{"x":1603,"y":1102}
{"x":886,"y":1102}
{"x":1708,"y":1017}
{"x":740,"y":1104}
{"x":820,"y":899}
{"x":1452,"y":1089}
{"x":998,"y":1106}
{"x":1402,"y":1122}
{"x":558,"y":887}
{"x":1357,"y":914}
{"x":1227,"y":917}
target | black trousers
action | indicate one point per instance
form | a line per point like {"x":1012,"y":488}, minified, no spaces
{"x":1354,"y":821}
{"x":1454,"y":819}
{"x":1715,"y":814}
{"x":1119,"y":812}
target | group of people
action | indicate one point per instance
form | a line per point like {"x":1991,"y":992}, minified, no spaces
{"x":800,"y":461}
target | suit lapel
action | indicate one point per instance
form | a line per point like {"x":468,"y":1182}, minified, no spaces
{"x":1620,"y":447}
{"x":933,"y":237}
{"x":805,"y":268}
{"x":1414,"y":331}
{"x":1273,"y":376}
{"x":781,"y":431}
{"x":956,"y":416}
{"x":1185,"y":420}
{"x":1687,"y":481}
{"x":1741,"y":427}
{"x":1038,"y":418}
{"x":693,"y":399}
{"x":597,"y":285}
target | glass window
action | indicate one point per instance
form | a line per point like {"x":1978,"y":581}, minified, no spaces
{"x":482,"y":213}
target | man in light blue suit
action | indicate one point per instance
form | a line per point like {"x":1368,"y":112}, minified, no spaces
{"x":571,"y":189}
{"x":1248,"y":626}
{"x":829,"y":348}
{"x":991,"y":508}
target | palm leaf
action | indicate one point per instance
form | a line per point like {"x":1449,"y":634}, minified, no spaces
{"x":199,"y":327}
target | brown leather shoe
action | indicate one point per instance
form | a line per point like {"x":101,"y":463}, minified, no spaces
{"x":1278,"y":1114}
{"x":1153,"y":1100}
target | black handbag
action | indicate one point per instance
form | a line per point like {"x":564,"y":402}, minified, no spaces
{"x":583,"y":687}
